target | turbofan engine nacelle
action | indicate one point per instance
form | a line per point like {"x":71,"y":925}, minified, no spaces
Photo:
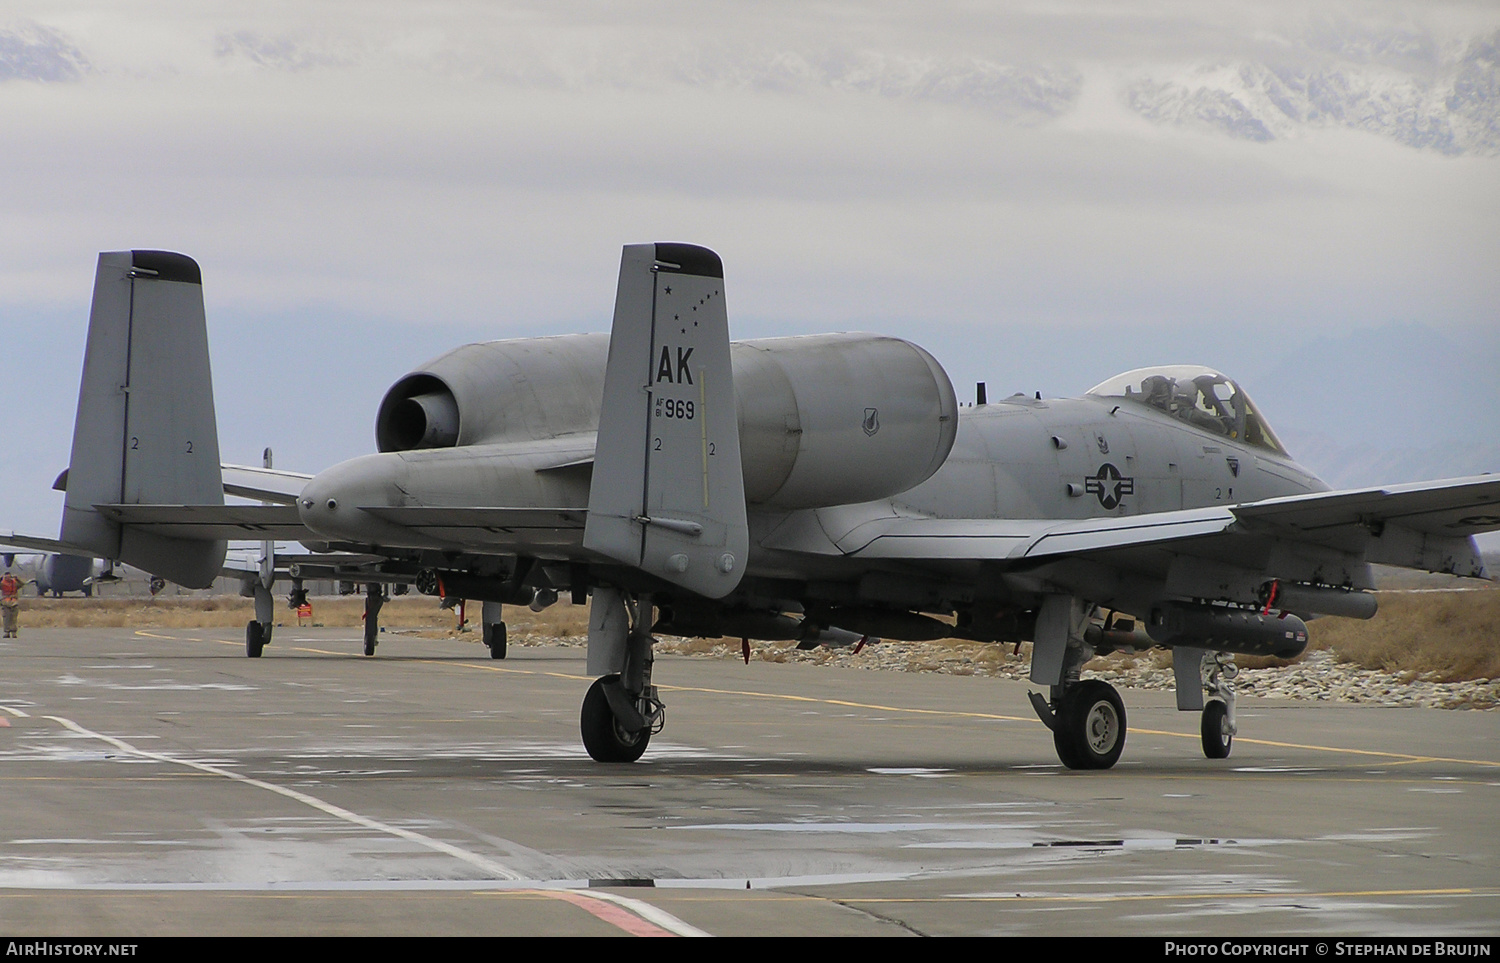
{"x":528,"y":389}
{"x":832,"y":419}
{"x":824,"y":420}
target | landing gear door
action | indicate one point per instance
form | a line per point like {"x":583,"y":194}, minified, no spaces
{"x":668,"y":492}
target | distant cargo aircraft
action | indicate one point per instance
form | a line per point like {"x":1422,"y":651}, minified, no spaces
{"x":822,"y":489}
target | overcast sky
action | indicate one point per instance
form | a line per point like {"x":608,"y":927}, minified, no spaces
{"x":1042,"y":194}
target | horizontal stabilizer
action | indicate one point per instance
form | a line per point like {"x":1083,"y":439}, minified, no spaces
{"x":499,"y":519}
{"x":209,"y":522}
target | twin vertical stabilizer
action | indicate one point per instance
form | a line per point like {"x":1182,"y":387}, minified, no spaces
{"x":668,"y":493}
{"x":145,"y":432}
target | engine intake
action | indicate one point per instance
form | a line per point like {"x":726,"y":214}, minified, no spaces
{"x":426,"y":420}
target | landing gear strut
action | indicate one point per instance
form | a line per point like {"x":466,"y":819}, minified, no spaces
{"x":621,"y":711}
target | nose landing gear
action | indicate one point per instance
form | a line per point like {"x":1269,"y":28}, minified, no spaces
{"x":1218,"y":726}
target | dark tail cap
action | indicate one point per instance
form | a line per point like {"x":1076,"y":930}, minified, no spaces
{"x":690,"y":259}
{"x":168,"y":266}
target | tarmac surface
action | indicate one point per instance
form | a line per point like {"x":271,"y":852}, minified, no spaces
{"x":157,"y":782}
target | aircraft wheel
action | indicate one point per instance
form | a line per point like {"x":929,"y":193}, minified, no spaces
{"x":1217,"y":741}
{"x":1063,"y":743}
{"x":254,"y":640}
{"x":602,"y":735}
{"x":494,"y":637}
{"x":1090,"y":730}
{"x":372,"y":635}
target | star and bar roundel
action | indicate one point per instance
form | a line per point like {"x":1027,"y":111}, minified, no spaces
{"x":1109,"y":485}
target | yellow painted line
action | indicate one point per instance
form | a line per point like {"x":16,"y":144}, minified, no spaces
{"x":848,"y":704}
{"x":1394,"y":758}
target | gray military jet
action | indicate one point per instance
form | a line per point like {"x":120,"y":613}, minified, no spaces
{"x":56,"y":574}
{"x":822,"y":489}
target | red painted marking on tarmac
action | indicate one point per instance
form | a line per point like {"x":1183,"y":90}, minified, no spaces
{"x":608,"y":912}
{"x":4,"y":723}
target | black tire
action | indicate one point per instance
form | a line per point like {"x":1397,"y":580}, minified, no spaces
{"x":494,"y":637}
{"x":1217,"y":742}
{"x":1064,"y":747}
{"x":602,"y":735}
{"x":1091,"y":726}
{"x":254,"y":642}
{"x":372,"y":636}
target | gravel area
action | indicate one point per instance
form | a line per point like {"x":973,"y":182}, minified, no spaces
{"x":1318,"y":677}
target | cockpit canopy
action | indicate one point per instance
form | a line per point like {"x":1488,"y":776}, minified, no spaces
{"x":1200,"y":396}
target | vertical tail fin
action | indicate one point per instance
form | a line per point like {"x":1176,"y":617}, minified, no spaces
{"x":145,"y":432}
{"x":668,"y":493}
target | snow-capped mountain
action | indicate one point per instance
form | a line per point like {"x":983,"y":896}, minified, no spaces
{"x":1447,"y":104}
{"x":33,"y":52}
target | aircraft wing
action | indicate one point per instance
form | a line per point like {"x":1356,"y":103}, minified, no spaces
{"x":999,"y":539}
{"x":264,"y":484}
{"x":1454,"y":506}
{"x":1425,"y":525}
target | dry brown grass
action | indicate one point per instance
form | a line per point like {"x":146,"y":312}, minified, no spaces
{"x":407,"y":612}
{"x":1438,"y":636}
{"x":1441,"y":636}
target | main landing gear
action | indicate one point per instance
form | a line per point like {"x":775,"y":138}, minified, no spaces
{"x":621,"y":710}
{"x":493,"y":620}
{"x":257,"y":637}
{"x":1090,"y":733}
{"x":258,"y":629}
{"x":1087,"y":720}
{"x":611,"y":722}
{"x":374,"y":599}
{"x":1086,"y":716}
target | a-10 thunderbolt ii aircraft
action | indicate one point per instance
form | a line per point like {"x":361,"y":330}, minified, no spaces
{"x":816,"y":488}
{"x":57,"y":574}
